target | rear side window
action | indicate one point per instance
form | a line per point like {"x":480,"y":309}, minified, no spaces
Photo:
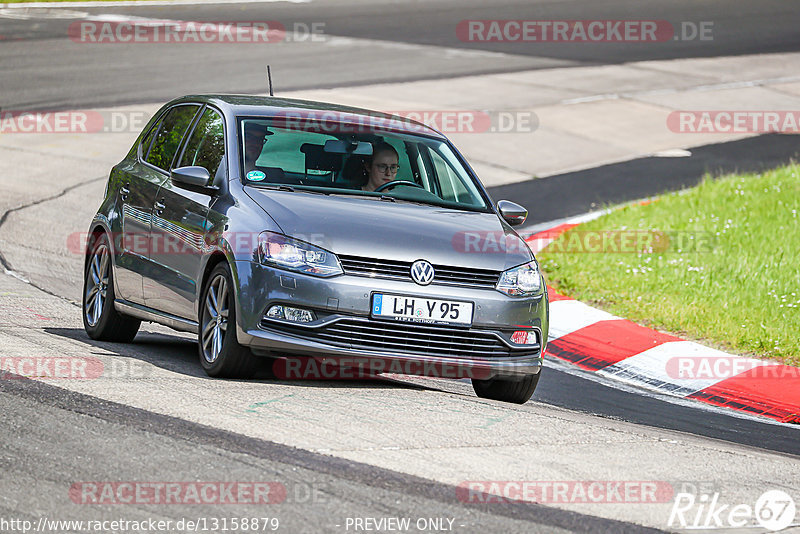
{"x":168,"y":138}
{"x":148,"y":139}
{"x":206,"y":146}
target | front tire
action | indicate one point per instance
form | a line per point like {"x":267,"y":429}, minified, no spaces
{"x":221,"y":355}
{"x":517,"y":391}
{"x":100,"y":320}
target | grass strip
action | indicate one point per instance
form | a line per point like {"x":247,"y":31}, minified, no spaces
{"x":718,"y":263}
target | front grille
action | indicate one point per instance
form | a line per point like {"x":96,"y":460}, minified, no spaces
{"x":367,"y":334}
{"x":401,"y":270}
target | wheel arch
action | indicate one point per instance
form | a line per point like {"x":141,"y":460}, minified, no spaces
{"x":214,"y":259}
{"x":97,"y":229}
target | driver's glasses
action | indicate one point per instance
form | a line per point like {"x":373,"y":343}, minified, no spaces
{"x":383,"y":167}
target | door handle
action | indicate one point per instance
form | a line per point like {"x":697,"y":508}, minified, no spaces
{"x":160,"y":206}
{"x":124,"y":191}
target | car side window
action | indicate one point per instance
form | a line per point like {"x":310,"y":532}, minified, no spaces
{"x":148,"y":139}
{"x":168,"y":138}
{"x":206,"y":146}
{"x":452,"y":187}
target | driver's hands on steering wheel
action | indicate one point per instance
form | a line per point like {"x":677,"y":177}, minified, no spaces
{"x":395,"y":183}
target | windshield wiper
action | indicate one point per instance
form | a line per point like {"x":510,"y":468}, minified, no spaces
{"x":389,"y":198}
{"x":276,"y":187}
{"x":288,"y":188}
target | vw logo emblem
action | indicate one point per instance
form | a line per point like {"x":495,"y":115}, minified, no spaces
{"x":422,"y":272}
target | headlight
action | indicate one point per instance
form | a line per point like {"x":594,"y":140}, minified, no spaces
{"x":287,"y":253}
{"x":521,"y":281}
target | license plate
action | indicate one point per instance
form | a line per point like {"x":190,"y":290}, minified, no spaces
{"x":421,"y":310}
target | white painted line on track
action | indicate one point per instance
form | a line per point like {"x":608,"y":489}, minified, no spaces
{"x":131,"y":3}
{"x":650,"y":368}
{"x":17,"y":276}
{"x":39,"y":13}
{"x":575,"y":219}
{"x":697,"y":88}
{"x":637,"y":389}
{"x":329,"y":40}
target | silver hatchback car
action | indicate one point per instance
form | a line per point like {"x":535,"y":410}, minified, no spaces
{"x":304,"y":231}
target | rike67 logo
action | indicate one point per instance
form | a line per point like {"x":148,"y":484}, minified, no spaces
{"x":774,"y":510}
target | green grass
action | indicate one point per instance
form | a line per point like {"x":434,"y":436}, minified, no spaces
{"x":727,"y":272}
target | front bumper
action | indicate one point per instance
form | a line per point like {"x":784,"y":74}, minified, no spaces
{"x":276,"y":344}
{"x":483,"y":350}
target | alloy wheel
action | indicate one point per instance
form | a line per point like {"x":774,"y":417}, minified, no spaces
{"x":215,"y":318}
{"x":97,"y":285}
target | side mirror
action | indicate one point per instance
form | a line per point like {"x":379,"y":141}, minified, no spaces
{"x":512,"y":213}
{"x":193,"y":178}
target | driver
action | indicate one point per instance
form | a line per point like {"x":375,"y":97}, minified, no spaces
{"x":382,"y":167}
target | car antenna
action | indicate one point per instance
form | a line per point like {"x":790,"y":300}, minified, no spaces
{"x":269,"y":77}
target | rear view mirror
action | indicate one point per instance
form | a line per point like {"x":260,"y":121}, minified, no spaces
{"x":193,"y":179}
{"x":512,"y":213}
{"x":341,"y":146}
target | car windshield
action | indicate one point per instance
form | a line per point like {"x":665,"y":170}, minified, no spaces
{"x":331,"y":159}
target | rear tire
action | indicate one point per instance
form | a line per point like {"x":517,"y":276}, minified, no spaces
{"x":518,"y":391}
{"x":100,"y":320}
{"x":221,"y":355}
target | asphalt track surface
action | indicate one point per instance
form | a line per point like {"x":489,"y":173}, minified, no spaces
{"x":575,"y":193}
{"x":42,"y":69}
{"x":88,"y":428}
{"x":376,"y":41}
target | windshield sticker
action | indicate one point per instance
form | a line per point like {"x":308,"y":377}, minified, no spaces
{"x":256,"y":176}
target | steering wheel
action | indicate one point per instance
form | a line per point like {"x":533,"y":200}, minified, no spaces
{"x":395,"y":183}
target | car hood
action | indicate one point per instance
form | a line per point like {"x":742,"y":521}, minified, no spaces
{"x":402,"y":231}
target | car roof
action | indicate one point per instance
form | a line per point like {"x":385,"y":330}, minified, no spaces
{"x":254,"y":106}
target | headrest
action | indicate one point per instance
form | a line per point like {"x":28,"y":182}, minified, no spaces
{"x":319,"y":160}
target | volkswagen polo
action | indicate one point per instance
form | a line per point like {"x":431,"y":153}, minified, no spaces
{"x":283,"y":228}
